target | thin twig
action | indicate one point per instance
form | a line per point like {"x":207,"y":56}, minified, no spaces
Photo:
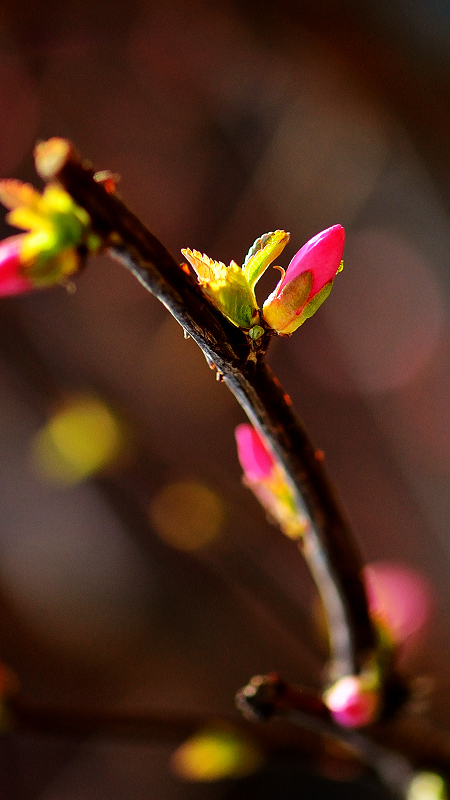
{"x":396,"y":760}
{"x":270,"y":697}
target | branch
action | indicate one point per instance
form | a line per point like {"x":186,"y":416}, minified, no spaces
{"x":396,"y":761}
{"x":328,"y":544}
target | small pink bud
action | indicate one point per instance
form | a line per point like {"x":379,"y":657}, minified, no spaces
{"x":398,"y":596}
{"x":255,"y":459}
{"x":322,"y":255}
{"x":12,"y":281}
{"x":351,"y":704}
{"x":307,"y":281}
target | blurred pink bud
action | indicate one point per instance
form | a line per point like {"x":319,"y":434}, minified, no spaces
{"x":255,"y":459}
{"x":399,"y":597}
{"x":12,"y":280}
{"x":351,"y":704}
{"x":307,"y":281}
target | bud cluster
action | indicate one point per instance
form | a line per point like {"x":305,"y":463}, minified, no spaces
{"x":58,"y":235}
{"x":302,"y":289}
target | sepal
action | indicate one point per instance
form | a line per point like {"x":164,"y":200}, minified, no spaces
{"x":280,"y":308}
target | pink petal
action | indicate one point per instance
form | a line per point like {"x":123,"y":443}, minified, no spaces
{"x":253,"y":455}
{"x":399,"y":596}
{"x":11,"y":280}
{"x":322,"y":255}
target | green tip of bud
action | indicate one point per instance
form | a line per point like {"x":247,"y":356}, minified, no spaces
{"x":256,"y":332}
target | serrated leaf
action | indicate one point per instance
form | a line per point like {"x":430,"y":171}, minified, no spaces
{"x":49,"y":271}
{"x":207,"y":270}
{"x":14,"y":193}
{"x":261,"y":254}
{"x":38,"y":245}
{"x":29,"y":219}
{"x":233,"y":296}
{"x":55,"y":199}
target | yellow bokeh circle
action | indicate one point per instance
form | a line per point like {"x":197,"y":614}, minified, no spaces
{"x":79,"y":440}
{"x":213,"y":755}
{"x":187,"y":515}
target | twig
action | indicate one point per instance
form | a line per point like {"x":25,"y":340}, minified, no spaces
{"x":399,"y":757}
{"x":269,"y":697}
{"x":328,"y":544}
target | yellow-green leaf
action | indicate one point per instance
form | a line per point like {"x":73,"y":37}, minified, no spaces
{"x":261,"y":254}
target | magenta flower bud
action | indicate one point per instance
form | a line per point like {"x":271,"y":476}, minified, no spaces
{"x":12,"y":279}
{"x":307,"y":281}
{"x":255,"y":459}
{"x":351,"y":705}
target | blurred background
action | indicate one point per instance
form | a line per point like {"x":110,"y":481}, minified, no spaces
{"x":137,"y":574}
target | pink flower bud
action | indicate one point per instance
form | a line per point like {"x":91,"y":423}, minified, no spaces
{"x":399,"y":597}
{"x":307,"y":281}
{"x":12,"y":280}
{"x":255,"y":459}
{"x":351,"y":704}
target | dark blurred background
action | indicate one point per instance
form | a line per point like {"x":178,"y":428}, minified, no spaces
{"x":139,"y":575}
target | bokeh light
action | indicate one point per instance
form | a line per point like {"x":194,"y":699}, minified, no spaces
{"x":386,"y":314}
{"x":187,"y":515}
{"x":326,"y":156}
{"x":79,"y":440}
{"x":214,"y":754}
{"x":399,"y":596}
{"x":420,"y":423}
{"x":223,"y":124}
{"x":427,"y":786}
{"x":72,"y":574}
{"x":187,"y":403}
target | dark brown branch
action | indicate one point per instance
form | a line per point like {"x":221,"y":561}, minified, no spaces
{"x":328,"y":546}
{"x":395,"y":755}
{"x":23,"y":714}
{"x":268,"y":696}
{"x":135,"y":247}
